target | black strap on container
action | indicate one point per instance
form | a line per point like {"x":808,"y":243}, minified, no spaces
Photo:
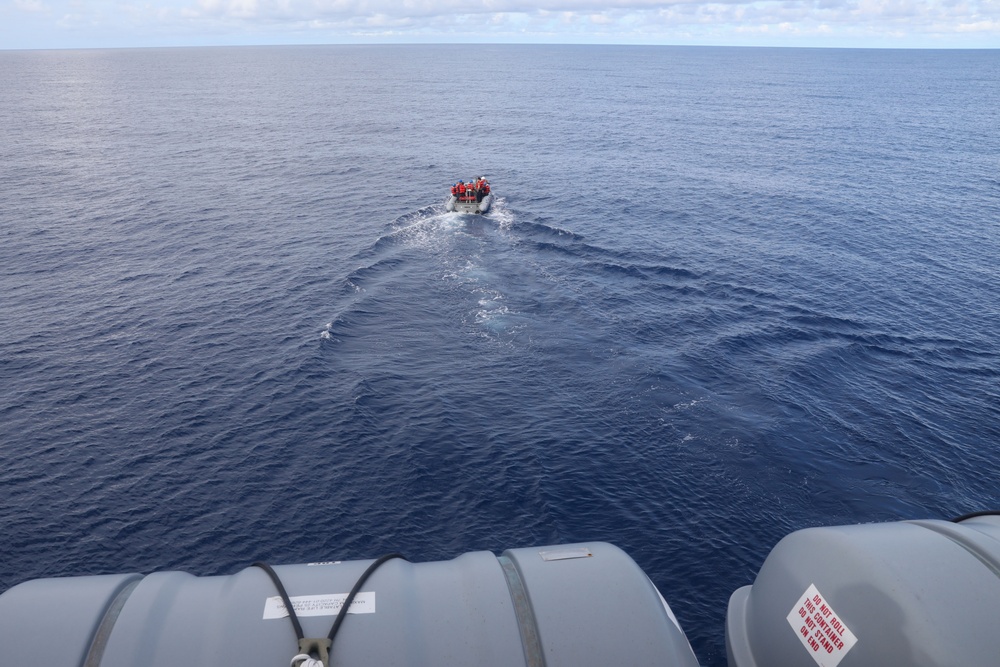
{"x":357,"y":587}
{"x":973,"y":515}
{"x":292,"y":616}
{"x":318,"y":644}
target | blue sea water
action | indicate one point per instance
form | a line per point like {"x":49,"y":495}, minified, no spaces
{"x":725,"y":294}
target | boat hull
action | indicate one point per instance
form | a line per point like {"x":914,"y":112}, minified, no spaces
{"x":470,"y":206}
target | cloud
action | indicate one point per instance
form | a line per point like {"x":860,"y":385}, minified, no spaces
{"x":772,"y":13}
{"x":991,"y":25}
{"x":30,"y":6}
{"x":787,"y":22}
{"x":239,"y":9}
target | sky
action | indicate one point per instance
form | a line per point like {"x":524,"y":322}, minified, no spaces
{"x":54,"y":24}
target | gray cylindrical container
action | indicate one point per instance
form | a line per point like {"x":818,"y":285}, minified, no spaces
{"x":572,"y":605}
{"x":913,"y":594}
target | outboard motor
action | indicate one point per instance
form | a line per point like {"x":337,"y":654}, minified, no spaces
{"x":912,"y":593}
{"x":573,"y":605}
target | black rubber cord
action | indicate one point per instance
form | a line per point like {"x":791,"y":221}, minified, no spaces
{"x":973,"y":515}
{"x":343,"y":609}
{"x":354,"y":591}
{"x":284,"y":597}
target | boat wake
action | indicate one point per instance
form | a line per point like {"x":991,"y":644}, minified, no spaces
{"x":443,"y":260}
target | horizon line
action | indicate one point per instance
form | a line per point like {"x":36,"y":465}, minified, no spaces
{"x":565,"y":44}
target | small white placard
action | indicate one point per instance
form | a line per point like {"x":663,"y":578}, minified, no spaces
{"x":319,"y":605}
{"x":566,"y":554}
{"x":821,"y":631}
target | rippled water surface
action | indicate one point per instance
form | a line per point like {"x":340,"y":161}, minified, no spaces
{"x":725,"y":294}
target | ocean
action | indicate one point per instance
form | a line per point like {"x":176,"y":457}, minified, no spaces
{"x":725,"y":293}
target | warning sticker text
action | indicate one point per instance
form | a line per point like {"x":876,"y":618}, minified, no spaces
{"x":820,"y":630}
{"x":319,"y":605}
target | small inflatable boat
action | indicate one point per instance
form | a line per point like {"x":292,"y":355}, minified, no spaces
{"x":471,"y":197}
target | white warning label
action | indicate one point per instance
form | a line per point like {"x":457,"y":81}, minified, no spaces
{"x":820,"y":630}
{"x":319,"y":605}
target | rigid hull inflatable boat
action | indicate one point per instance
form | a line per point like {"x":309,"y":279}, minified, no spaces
{"x":472,"y":197}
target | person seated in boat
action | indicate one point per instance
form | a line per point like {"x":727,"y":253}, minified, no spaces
{"x":454,"y":190}
{"x":461,"y":190}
